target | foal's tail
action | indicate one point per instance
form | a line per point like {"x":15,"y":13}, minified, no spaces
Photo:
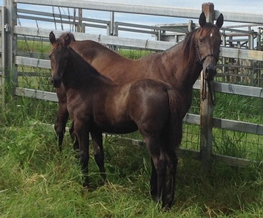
{"x":176,"y":106}
{"x":174,"y":136}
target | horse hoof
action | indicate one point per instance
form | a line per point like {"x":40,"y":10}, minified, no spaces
{"x":86,"y":185}
{"x":101,"y":182}
{"x":166,"y":208}
{"x":154,"y":196}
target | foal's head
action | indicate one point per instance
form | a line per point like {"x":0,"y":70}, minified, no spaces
{"x":207,"y":41}
{"x":59,"y":57}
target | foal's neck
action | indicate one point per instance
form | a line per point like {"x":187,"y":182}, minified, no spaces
{"x":80,"y":74}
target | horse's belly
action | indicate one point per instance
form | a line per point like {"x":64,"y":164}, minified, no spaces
{"x":119,"y":128}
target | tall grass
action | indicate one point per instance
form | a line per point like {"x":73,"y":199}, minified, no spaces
{"x":39,"y":181}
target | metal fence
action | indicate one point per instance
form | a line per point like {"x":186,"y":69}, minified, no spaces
{"x":242,"y":131}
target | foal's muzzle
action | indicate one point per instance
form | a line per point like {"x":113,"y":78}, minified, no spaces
{"x":56,"y":82}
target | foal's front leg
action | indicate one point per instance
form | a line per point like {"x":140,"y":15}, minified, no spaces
{"x":81,"y":130}
{"x":73,"y":137}
{"x":98,"y":152}
{"x":62,"y":116}
{"x":60,"y":124}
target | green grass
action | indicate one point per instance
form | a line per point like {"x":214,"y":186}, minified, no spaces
{"x":134,"y":54}
{"x":28,"y":46}
{"x":38,"y":181}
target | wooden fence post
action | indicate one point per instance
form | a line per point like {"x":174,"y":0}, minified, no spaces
{"x":206,"y":108}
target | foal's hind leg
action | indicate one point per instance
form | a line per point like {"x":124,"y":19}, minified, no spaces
{"x":174,"y":140}
{"x":172,"y":162}
{"x":153,"y":181}
{"x":98,"y":152}
{"x":159,"y":163}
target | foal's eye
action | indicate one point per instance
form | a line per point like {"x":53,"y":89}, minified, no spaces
{"x":201,"y":40}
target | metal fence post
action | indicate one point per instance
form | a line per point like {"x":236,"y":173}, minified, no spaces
{"x":112,"y":22}
{"x":10,"y":48}
{"x":113,"y":31}
{"x":3,"y":58}
{"x":206,"y":108}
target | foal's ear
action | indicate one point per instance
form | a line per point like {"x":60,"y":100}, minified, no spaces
{"x":52,"y":37}
{"x":67,"y":40}
{"x":220,"y":21}
{"x":202,"y":19}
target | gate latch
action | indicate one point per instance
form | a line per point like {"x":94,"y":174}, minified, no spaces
{"x":7,"y":28}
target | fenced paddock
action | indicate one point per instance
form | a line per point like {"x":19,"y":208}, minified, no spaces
{"x":216,"y":132}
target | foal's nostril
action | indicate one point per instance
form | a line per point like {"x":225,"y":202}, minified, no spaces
{"x":56,"y":82}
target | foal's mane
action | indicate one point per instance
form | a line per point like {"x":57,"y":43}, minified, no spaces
{"x":88,"y":69}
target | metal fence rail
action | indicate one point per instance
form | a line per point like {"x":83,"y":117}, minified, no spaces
{"x":147,"y":10}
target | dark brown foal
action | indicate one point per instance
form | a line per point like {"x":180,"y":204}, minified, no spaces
{"x":96,"y":104}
